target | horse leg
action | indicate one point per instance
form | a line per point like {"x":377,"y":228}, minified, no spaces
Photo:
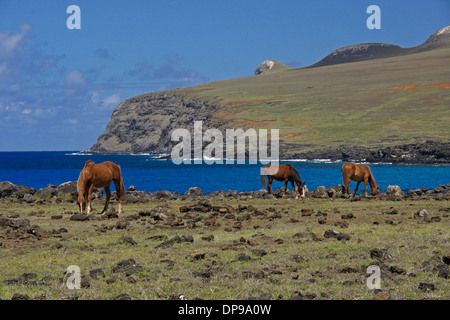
{"x":285,"y":187}
{"x":108,"y":197}
{"x":346,"y":182}
{"x":293,"y":189}
{"x":89,"y":198}
{"x":365,"y":185}
{"x":357,"y":186}
{"x":119,"y":194}
{"x":269,"y":185}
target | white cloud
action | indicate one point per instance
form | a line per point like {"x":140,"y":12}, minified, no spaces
{"x":75,"y":78}
{"x":26,"y":111}
{"x":11,"y":43}
{"x":95,"y":98}
{"x":112,"y":100}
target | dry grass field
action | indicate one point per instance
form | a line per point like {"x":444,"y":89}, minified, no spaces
{"x":227,"y":249}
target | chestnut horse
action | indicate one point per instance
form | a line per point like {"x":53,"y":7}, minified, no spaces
{"x":359,"y":173}
{"x":99,"y":176}
{"x":286,"y":173}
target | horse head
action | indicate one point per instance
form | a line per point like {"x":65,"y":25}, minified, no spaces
{"x":301,"y":188}
{"x":375,"y":190}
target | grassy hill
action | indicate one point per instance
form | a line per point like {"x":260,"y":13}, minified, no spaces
{"x":374,"y":103}
{"x":369,"y":101}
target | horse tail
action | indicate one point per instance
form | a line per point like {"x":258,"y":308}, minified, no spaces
{"x":295,"y":174}
{"x":263,"y":177}
{"x":121,"y":191}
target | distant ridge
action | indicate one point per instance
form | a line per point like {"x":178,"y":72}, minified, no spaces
{"x":369,"y":51}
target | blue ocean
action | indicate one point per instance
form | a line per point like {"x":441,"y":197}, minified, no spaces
{"x":148,"y":173}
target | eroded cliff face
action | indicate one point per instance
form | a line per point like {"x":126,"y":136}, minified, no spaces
{"x":144,"y":124}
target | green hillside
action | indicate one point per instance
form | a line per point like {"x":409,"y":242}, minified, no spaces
{"x":374,"y":103}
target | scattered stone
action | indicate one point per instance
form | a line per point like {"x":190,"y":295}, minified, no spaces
{"x":123,"y":224}
{"x":96,"y":273}
{"x":243,"y":257}
{"x":397,"y":270}
{"x":394,"y":191}
{"x":443,"y":271}
{"x":446,"y":258}
{"x":196,"y":256}
{"x":421,"y":214}
{"x":298,"y":258}
{"x":194,"y":192}
{"x":79,"y":217}
{"x":259,"y":252}
{"x":341,"y":224}
{"x":425,"y":286}
{"x":208,"y":237}
{"x":168,"y":243}
{"x":187,"y":238}
{"x":128,"y":240}
{"x":19,"y":296}
{"x":123,"y":296}
{"x":382,"y":295}
{"x":85,"y":284}
{"x":336,"y":234}
{"x":391,"y":212}
{"x":347,"y":216}
{"x":379,"y":254}
{"x":205,"y":273}
{"x":128,"y":267}
{"x":320,"y":192}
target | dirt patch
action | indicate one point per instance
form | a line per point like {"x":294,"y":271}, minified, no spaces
{"x":406,"y":87}
{"x":286,"y":136}
{"x":306,"y":123}
{"x":253,"y":124}
{"x":444,"y":85}
{"x":231,"y":113}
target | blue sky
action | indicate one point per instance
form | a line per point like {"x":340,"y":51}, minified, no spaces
{"x":59,"y":87}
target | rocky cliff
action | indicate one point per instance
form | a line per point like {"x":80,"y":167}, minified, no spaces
{"x":144,"y":124}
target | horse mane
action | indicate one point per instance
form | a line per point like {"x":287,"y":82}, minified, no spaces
{"x":295,"y":174}
{"x":371,"y":179}
{"x":88,"y":163}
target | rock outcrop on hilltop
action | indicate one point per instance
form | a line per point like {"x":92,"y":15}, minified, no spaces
{"x":269,"y":65}
{"x":438,"y":39}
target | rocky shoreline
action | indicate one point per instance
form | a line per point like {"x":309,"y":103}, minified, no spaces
{"x":426,"y":153}
{"x":67,"y":192}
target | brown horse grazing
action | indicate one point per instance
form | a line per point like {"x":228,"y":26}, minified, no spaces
{"x":99,"y":176}
{"x":284,"y":173}
{"x":359,"y":173}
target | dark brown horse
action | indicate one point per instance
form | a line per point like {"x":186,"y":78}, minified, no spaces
{"x":286,"y":173}
{"x":359,"y":173}
{"x":99,"y":176}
